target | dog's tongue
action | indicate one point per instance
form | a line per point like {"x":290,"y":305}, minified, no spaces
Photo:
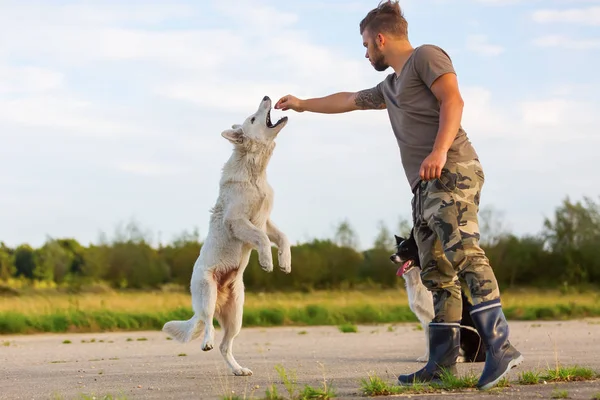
{"x":402,"y":269}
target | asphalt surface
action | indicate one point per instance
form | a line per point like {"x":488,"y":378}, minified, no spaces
{"x":146,"y":365}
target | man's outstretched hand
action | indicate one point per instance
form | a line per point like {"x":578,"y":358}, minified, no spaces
{"x":289,"y":102}
{"x":431,"y":168}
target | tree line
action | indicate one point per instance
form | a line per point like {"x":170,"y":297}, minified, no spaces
{"x":562,"y":253}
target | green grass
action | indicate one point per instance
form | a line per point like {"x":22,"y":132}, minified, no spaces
{"x":375,"y":386}
{"x":131,"y":311}
{"x":348,"y":328}
{"x":569,"y":374}
{"x":558,"y":374}
{"x":559,"y":394}
{"x":529,"y":378}
{"x":290,"y":384}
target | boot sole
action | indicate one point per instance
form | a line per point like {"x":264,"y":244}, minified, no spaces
{"x":512,"y":364}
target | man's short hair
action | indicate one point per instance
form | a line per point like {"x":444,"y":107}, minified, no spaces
{"x":386,"y":18}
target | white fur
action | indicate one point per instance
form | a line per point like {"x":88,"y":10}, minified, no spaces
{"x":240,"y":222}
{"x":420,"y":301}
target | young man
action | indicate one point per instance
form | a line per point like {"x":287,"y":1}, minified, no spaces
{"x":424,"y":106}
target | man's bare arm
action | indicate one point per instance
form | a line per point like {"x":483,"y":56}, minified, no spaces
{"x":369,"y":99}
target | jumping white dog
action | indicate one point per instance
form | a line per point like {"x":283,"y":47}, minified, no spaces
{"x":240,"y":222}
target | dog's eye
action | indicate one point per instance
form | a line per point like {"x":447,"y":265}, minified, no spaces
{"x":252,"y":120}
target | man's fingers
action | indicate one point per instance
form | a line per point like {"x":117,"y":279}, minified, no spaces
{"x":281,"y":101}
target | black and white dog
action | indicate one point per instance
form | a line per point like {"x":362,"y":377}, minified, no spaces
{"x":420,"y":301}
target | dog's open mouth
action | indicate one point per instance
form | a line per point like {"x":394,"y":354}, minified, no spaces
{"x":405,"y":267}
{"x":270,"y":124}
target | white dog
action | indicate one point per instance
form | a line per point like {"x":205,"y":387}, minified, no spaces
{"x":240,"y":222}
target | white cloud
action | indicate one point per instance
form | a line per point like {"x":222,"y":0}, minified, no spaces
{"x":85,"y":15}
{"x":150,"y":169}
{"x":581,"y":16}
{"x":557,"y":112}
{"x":566,"y":42}
{"x":505,"y":2}
{"x":20,"y":80}
{"x":479,"y":44}
{"x":72,"y":116}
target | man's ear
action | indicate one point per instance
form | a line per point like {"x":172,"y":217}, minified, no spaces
{"x":234,"y":135}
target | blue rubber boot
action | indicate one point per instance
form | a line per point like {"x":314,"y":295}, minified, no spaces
{"x":444,"y":343}
{"x":501,"y":356}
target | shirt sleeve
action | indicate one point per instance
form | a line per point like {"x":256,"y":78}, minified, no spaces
{"x":379,"y":90}
{"x":432,"y":62}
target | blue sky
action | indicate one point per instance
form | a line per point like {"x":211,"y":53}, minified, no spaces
{"x":112,"y":111}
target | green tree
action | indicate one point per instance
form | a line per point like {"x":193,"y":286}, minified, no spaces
{"x":25,"y":261}
{"x":54,"y":262}
{"x":384,"y":239}
{"x":181,"y":256}
{"x":573,"y":235}
{"x":492,"y":228}
{"x":345,"y":236}
{"x":7,"y":265}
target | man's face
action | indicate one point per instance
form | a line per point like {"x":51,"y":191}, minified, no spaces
{"x":374,"y":51}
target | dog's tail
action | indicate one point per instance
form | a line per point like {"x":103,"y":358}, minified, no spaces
{"x":184,"y":331}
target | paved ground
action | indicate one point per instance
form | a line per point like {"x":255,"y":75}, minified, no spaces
{"x":146,"y":365}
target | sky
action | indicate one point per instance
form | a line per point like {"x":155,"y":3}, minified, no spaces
{"x":112,"y":111}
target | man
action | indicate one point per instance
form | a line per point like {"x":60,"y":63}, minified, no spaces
{"x":424,"y":106}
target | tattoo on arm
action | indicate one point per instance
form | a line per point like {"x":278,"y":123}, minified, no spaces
{"x":369,"y":99}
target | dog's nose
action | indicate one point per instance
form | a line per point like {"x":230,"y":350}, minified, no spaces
{"x":392,"y":257}
{"x":265,"y":98}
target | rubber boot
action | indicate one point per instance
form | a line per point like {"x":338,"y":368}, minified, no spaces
{"x":444,"y":344}
{"x":500,"y":355}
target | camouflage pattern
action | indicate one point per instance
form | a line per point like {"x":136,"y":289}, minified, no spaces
{"x":447,"y":234}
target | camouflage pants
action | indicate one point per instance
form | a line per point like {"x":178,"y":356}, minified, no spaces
{"x":447,"y":233}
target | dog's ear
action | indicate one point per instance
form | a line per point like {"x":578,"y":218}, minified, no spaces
{"x":234,"y":135}
{"x":398,"y":239}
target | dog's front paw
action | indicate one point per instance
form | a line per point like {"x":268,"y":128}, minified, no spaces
{"x":242,"y":372}
{"x":285,"y":260}
{"x":266,"y":261}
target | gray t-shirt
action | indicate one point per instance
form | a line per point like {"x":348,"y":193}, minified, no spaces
{"x":414,"y":111}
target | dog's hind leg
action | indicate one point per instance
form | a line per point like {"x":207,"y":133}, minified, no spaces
{"x":184,"y":331}
{"x":204,"y":299}
{"x":230,"y":318}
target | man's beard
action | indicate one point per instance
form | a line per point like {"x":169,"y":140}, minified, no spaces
{"x":379,"y":63}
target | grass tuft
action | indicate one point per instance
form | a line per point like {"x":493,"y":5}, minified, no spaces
{"x":348,"y":328}
{"x":559,"y":394}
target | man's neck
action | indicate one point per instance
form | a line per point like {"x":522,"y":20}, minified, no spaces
{"x":399,"y":53}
